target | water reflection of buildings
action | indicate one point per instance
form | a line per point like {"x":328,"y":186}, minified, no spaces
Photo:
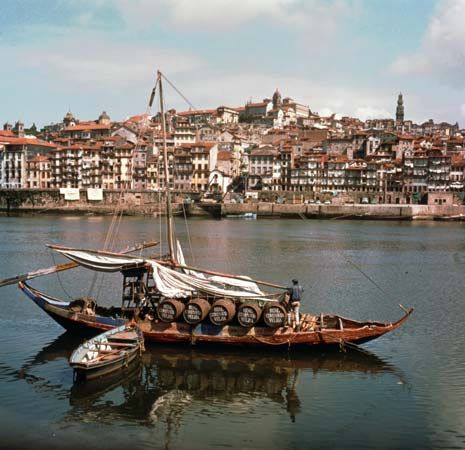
{"x":168,"y":381}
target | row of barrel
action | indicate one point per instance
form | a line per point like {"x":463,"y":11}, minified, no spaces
{"x":221,"y":312}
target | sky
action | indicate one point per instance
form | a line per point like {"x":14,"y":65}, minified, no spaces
{"x":350,"y":57}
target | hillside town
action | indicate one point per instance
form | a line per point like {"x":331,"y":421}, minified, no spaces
{"x":277,"y":145}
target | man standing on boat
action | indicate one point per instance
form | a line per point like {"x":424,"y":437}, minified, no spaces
{"x":295,"y":292}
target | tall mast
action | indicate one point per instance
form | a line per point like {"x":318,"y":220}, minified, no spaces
{"x":169,"y":212}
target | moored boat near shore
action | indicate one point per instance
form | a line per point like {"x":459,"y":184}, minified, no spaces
{"x":325,"y":329}
{"x":108,"y":352}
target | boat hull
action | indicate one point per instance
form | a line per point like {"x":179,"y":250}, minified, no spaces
{"x":121,"y":364}
{"x":205,"y":333}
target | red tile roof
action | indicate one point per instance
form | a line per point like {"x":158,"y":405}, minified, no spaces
{"x":87,"y":126}
{"x":137,"y":118}
{"x":14,"y":140}
{"x":457,"y":161}
{"x":195,"y":112}
{"x":267,"y":150}
{"x":406,"y":137}
{"x":339,"y":158}
{"x":207,"y":145}
{"x":224,"y":155}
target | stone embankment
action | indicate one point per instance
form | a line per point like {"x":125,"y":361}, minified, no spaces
{"x":52,"y":202}
{"x":351,"y":211}
{"x":151,"y":203}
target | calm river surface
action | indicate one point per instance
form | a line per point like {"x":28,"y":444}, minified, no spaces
{"x":407,"y":390}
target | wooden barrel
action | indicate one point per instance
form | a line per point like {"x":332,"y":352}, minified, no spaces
{"x":248,"y":314}
{"x":274,"y":315}
{"x":170,"y":309}
{"x":222,"y":312}
{"x":196,"y":310}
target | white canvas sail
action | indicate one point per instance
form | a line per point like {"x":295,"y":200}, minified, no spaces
{"x":248,"y":285}
{"x":170,"y":282}
{"x":100,"y":263}
{"x":169,"y":279}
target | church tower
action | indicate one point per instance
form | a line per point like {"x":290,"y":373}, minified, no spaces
{"x":19,"y":128}
{"x":104,"y":119}
{"x":69,"y":119}
{"x":400,"y":109}
{"x":277,"y":101}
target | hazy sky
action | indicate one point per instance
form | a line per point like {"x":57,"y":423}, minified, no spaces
{"x":346,"y":56}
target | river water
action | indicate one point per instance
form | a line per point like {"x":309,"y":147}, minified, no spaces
{"x":406,"y":390}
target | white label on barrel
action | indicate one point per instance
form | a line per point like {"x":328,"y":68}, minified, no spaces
{"x":275,"y":315}
{"x":167,"y":311}
{"x":193,"y":313}
{"x":248,"y":315}
{"x":218,"y":314}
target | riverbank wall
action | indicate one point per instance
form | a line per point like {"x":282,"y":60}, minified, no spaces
{"x":50,"y":201}
{"x":351,"y":211}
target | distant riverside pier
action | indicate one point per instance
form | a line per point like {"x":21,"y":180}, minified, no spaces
{"x":50,"y":201}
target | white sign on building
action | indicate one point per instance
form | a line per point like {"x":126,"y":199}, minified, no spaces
{"x":70,"y":193}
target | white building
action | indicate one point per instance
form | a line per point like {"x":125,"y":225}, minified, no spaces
{"x":218,"y":181}
{"x":15,"y":151}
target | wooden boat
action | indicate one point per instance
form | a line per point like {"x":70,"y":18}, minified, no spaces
{"x":326,"y":329}
{"x":108,"y":352}
{"x":159,"y":293}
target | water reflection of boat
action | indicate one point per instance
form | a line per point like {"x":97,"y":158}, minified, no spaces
{"x":61,"y":347}
{"x":169,"y":381}
{"x":85,"y":394}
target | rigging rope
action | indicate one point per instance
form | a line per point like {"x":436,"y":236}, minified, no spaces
{"x":178,"y":91}
{"x":117,"y":216}
{"x":58,"y":276}
{"x":174,"y":168}
{"x":160,"y":237}
{"x":175,"y":173}
{"x":113,"y":230}
{"x":188,"y":234}
{"x":383,"y":291}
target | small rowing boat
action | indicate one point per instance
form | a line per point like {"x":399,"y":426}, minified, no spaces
{"x":108,"y":352}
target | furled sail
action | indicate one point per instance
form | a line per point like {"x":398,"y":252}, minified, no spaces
{"x":245,"y":283}
{"x":182,"y":261}
{"x":101,"y":263}
{"x":170,"y":282}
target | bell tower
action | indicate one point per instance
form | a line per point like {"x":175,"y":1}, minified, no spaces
{"x":277,"y":101}
{"x":19,"y":128}
{"x":400,"y":109}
